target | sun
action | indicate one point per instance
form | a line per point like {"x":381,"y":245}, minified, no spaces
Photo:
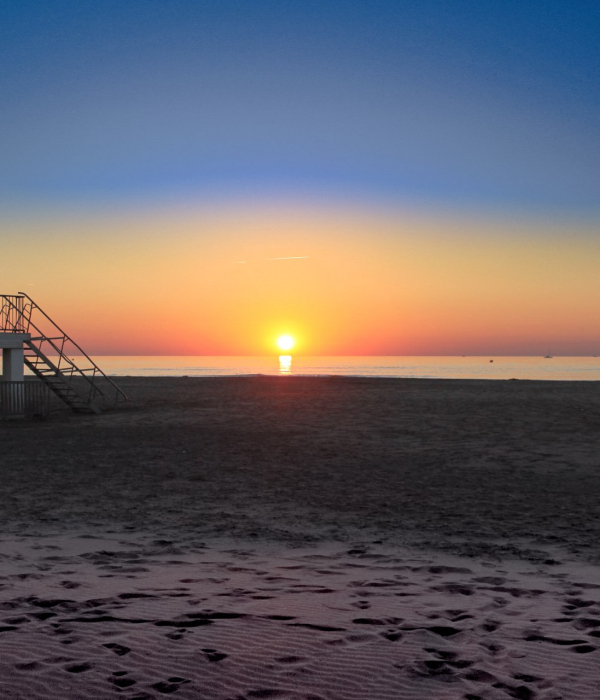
{"x":285,"y":342}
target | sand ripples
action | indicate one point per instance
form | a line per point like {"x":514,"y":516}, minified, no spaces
{"x":139,"y":620}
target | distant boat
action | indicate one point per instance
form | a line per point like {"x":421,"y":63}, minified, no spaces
{"x":547,"y":357}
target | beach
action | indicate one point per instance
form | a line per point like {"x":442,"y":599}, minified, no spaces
{"x":305,"y":537}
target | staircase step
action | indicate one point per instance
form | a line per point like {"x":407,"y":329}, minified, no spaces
{"x":58,"y":378}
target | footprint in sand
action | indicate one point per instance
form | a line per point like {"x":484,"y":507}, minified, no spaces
{"x":584,"y":623}
{"x":171,"y":685}
{"x":42,"y":615}
{"x":491,"y":580}
{"x":440,"y":630}
{"x":79,"y":668}
{"x":464,"y":616}
{"x":490,"y":626}
{"x":177,"y":634}
{"x":335,"y":642}
{"x":584,"y":649}
{"x":576,"y":643}
{"x":28,"y":666}
{"x":527,"y":678}
{"x":371,"y":621}
{"x":445,"y":569}
{"x":320,"y":628}
{"x":577,"y":603}
{"x":133,"y":596}
{"x":118,"y":649}
{"x":214,"y":655}
{"x":359,"y":638}
{"x":266,"y":693}
{"x":63,"y":603}
{"x":392,"y":636}
{"x":289,"y":659}
{"x":119,"y":679}
{"x":445,"y":660}
{"x":520,"y":692}
{"x":455,"y":588}
{"x":183,"y":623}
{"x":480,"y":676}
{"x":494,"y":649}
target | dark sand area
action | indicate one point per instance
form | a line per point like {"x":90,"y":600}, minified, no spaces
{"x":472,"y":467}
{"x":305,"y":539}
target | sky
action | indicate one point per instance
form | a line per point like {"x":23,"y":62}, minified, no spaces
{"x":375,"y":178}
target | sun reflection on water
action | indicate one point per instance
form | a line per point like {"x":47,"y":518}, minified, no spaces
{"x":285,"y":364}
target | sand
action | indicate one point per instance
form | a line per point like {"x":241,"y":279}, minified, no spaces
{"x":238,"y":538}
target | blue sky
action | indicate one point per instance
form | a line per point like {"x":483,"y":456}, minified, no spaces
{"x":467,"y":103}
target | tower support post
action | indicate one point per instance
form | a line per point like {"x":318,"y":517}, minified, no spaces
{"x":12,"y":364}
{"x":13,"y":356}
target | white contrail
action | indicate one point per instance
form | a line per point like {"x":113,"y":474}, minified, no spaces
{"x":291,"y":257}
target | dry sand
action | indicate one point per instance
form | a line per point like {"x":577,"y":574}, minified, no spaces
{"x":332,"y":538}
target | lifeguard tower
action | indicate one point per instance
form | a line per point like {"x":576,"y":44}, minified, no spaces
{"x":30,"y":338}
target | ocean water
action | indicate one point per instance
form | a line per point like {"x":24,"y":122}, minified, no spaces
{"x":557,"y":368}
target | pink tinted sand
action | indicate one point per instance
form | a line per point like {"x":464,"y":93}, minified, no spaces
{"x":322,"y":538}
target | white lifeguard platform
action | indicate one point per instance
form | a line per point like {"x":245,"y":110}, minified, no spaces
{"x":13,"y":354}
{"x":29,"y":338}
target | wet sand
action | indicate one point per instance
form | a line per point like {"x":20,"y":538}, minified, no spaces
{"x":305,"y":538}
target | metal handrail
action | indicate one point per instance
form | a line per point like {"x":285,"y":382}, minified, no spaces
{"x":19,"y":315}
{"x":12,"y":314}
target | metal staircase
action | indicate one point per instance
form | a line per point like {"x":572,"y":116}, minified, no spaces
{"x":56,"y":359}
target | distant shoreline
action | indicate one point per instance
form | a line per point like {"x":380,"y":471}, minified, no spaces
{"x":335,"y":377}
{"x":451,"y":367}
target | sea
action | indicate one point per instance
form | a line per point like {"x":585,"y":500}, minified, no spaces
{"x":488,"y":367}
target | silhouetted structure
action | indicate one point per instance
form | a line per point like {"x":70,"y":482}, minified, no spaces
{"x":30,"y":338}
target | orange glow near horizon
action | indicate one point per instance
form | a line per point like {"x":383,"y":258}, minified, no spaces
{"x":188,"y":281}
